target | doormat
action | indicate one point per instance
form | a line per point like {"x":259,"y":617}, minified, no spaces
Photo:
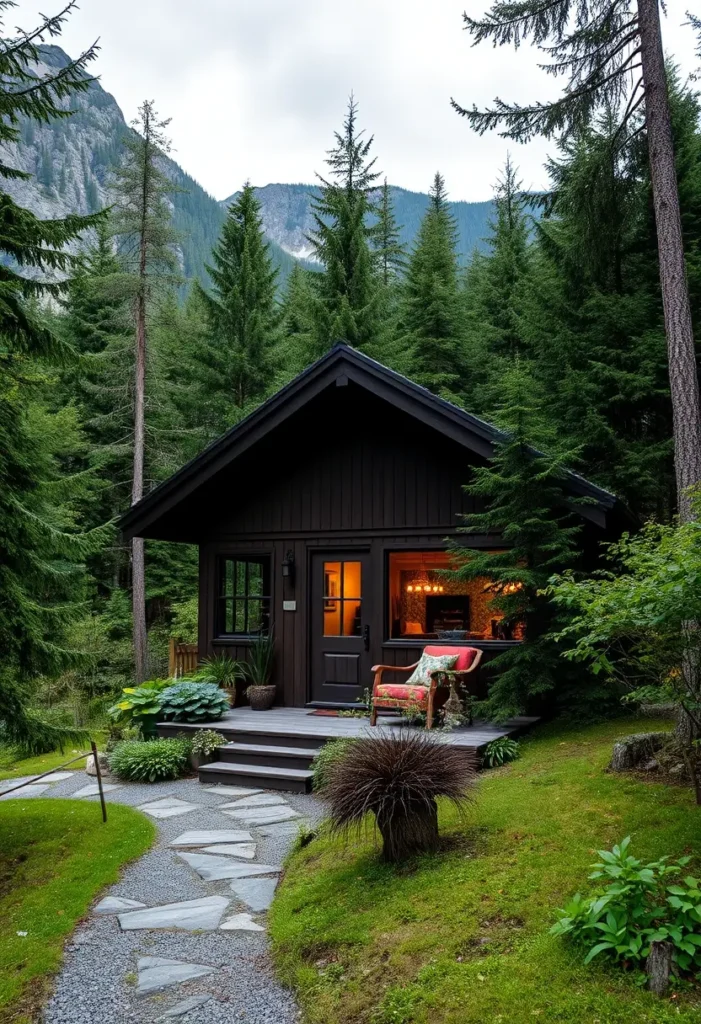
{"x":324,"y":713}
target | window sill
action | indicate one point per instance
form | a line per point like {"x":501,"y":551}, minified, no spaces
{"x":235,"y":639}
{"x":489,"y":645}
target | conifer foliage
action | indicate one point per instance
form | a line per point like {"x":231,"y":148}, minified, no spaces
{"x":241,"y":308}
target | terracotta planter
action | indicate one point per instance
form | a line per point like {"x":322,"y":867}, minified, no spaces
{"x":261,"y":698}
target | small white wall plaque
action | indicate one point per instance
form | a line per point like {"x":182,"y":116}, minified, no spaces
{"x":289,"y":606}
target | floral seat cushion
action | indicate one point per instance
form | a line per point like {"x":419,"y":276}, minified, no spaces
{"x":388,"y":694}
{"x":429,"y":663}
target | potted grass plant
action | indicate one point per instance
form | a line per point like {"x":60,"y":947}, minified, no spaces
{"x":258,"y":669}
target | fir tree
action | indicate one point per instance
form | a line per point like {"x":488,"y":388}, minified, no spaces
{"x":241,"y":309}
{"x":346,"y":307}
{"x":611,"y":53}
{"x":431,"y":315}
{"x":525,"y":507}
{"x":298,"y":341}
{"x":389,"y":252}
{"x":40,"y":549}
{"x":147,"y":249}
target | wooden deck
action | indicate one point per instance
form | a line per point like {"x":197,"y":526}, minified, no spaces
{"x":299,"y":727}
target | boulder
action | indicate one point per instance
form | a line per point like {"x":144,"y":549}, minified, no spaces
{"x":90,"y":765}
{"x":633,"y":750}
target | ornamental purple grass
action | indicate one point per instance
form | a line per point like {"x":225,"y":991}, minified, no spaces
{"x":399,"y":778}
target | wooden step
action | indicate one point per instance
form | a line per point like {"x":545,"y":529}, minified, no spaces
{"x":272,"y":756}
{"x":257,"y":776}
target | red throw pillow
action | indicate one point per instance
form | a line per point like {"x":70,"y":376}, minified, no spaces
{"x":465,"y":655}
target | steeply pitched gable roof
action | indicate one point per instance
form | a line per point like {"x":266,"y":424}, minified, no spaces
{"x":340,"y":365}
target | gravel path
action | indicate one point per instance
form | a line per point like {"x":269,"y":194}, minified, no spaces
{"x":101,"y":971}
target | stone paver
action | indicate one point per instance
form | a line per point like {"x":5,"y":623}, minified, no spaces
{"x":240,"y":923}
{"x":245,"y":850}
{"x":156,"y":972}
{"x":263,"y":815}
{"x":258,"y":800}
{"x":209,"y":836}
{"x":116,"y":904}
{"x":191,"y":1003}
{"x":211,"y":868}
{"x":58,"y":776}
{"x":170,"y":807}
{"x":190,"y":915}
{"x":26,"y":793}
{"x":92,"y":789}
{"x":256,"y":893}
{"x":223,"y":790}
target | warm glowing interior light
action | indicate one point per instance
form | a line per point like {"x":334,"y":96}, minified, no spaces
{"x":427,"y":588}
{"x":410,"y":589}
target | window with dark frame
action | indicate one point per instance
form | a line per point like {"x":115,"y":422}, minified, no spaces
{"x":243,"y":603}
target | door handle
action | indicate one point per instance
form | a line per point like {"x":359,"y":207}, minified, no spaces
{"x":366,"y":637}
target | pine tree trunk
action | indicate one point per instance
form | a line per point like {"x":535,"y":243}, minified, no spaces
{"x":138,"y":570}
{"x":681,"y":352}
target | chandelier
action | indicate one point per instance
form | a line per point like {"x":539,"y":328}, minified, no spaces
{"x":421,"y":583}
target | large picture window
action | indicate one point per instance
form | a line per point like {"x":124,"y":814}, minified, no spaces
{"x":424,"y":604}
{"x":243,"y":596}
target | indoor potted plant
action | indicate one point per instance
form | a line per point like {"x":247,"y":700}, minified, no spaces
{"x":258,"y":669}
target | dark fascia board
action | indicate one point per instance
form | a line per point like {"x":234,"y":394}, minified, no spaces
{"x":341,"y":363}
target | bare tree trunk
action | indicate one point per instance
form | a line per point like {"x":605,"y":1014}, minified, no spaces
{"x":681,"y":351}
{"x":138,"y":569}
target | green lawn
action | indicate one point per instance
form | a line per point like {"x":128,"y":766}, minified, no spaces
{"x":462,"y":938}
{"x":11,"y":768}
{"x":55,"y":856}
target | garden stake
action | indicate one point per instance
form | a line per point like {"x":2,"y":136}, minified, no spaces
{"x":93,"y":747}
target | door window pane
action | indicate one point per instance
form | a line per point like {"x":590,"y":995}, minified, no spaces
{"x":342,"y":587}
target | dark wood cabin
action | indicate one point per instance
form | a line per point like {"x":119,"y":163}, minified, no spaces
{"x":324,"y":515}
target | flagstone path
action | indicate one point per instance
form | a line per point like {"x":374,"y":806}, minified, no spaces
{"x":182,"y":935}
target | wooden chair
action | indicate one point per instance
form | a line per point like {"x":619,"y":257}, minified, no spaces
{"x":399,"y":696}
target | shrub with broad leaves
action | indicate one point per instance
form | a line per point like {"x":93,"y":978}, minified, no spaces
{"x":501,"y":751}
{"x":193,"y":702}
{"x":641,"y":904}
{"x":140,"y":706}
{"x":149,"y":760}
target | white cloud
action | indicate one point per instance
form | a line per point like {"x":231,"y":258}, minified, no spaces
{"x":255,"y":88}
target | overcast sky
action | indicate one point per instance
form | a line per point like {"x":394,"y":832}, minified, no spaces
{"x":255,"y":88}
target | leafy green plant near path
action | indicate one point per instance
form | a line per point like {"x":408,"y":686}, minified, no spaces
{"x":221,"y":669}
{"x":150,"y":760}
{"x":206,"y":741}
{"x":140,"y":706}
{"x":641,"y":904}
{"x":327,"y":759}
{"x":59,"y":855}
{"x":193,"y":702}
{"x":501,"y":751}
{"x":258,"y":667}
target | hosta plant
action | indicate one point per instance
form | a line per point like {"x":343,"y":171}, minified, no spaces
{"x":193,"y":702}
{"x":149,"y":760}
{"x":640,"y":904}
{"x":324,"y":762}
{"x":501,"y":751}
{"x":140,"y":706}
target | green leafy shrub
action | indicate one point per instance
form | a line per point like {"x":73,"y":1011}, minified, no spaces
{"x":140,"y":705}
{"x":221,"y":669}
{"x":193,"y":702}
{"x":501,"y":751}
{"x":149,"y":760}
{"x":206,"y":742}
{"x":641,"y":904}
{"x":327,"y":758}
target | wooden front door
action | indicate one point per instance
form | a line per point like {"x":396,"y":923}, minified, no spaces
{"x":340,"y":623}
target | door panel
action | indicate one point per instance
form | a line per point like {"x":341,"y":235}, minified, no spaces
{"x":340,"y":618}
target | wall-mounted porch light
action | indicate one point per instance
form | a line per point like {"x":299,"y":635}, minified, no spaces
{"x":288,"y":567}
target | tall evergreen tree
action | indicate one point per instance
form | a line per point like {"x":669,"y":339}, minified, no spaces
{"x":40,"y":548}
{"x":346,"y":308}
{"x":526,"y":506}
{"x":611,"y":52}
{"x":298,"y":341}
{"x":431,"y":314}
{"x":143,"y":223}
{"x":242,"y":310}
{"x":389,"y":252}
